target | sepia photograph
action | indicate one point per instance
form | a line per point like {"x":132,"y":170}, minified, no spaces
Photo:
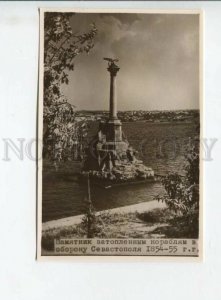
{"x":119,"y":120}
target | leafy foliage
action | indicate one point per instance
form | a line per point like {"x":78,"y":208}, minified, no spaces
{"x":89,"y":221}
{"x":61,"y":47}
{"x":182,"y":192}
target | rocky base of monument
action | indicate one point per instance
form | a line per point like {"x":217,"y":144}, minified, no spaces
{"x":122,"y":173}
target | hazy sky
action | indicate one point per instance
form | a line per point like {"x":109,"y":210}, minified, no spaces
{"x":159,"y":62}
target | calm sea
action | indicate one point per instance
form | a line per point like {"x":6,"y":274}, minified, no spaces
{"x":161,"y":146}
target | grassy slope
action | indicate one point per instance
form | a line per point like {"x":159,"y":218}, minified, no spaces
{"x":158,"y":223}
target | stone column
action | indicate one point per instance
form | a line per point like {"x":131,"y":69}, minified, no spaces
{"x":113,"y":69}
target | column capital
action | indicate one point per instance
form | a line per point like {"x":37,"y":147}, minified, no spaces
{"x":113,"y":69}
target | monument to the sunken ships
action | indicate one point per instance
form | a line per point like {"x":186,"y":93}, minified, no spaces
{"x":110,"y":159}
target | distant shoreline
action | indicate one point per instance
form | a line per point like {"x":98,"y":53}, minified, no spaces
{"x":138,"y":110}
{"x":154,"y":122}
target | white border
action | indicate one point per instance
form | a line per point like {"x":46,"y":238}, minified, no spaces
{"x":40,"y":131}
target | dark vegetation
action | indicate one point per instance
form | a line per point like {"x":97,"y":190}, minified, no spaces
{"x":61,"y":47}
{"x":182,"y":195}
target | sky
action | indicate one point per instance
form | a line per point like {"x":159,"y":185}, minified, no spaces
{"x":158,"y":59}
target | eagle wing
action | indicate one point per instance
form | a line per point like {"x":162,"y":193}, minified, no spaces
{"x":111,"y":59}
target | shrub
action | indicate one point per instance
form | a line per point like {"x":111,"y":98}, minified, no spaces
{"x":182,"y":194}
